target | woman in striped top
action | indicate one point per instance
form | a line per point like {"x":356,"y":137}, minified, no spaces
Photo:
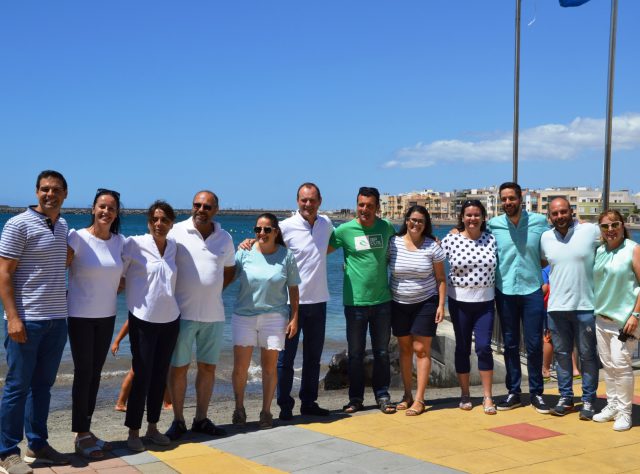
{"x":418,"y":288}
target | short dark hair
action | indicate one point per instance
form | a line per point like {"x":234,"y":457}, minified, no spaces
{"x":368,"y":192}
{"x":472,"y":203}
{"x":309,"y":185}
{"x":511,"y":185}
{"x":163,"y":206}
{"x":616,"y":214}
{"x":274,"y":223}
{"x":115,"y":225}
{"x":215,"y":197}
{"x":428,"y":229}
{"x":51,"y":174}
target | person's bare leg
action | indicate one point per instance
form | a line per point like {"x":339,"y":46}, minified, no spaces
{"x":241,"y":361}
{"x":547,"y":357}
{"x":464,"y":384}
{"x":268,"y":363}
{"x":177,"y":386}
{"x":574,"y":360}
{"x":422,"y":349}
{"x":125,"y":390}
{"x":406,"y":366}
{"x":487,"y":380}
{"x":205,"y":378}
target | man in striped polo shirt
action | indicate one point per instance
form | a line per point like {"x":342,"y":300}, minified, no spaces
{"x":33,"y":251}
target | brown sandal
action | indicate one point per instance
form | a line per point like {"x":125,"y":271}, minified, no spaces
{"x":415,"y":411}
{"x":405,"y":403}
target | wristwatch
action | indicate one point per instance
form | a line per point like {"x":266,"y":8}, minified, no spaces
{"x":636,"y":315}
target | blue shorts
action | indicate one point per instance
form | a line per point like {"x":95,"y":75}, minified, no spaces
{"x":208,"y":339}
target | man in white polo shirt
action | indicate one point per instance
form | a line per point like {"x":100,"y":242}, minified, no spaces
{"x":306,"y":234}
{"x":570,"y":250}
{"x":206,"y":264}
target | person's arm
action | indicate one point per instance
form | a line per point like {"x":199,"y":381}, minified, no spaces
{"x":632,"y":323}
{"x":124,"y":330}
{"x":70,"y":254}
{"x":15,"y":326}
{"x":294,"y":298}
{"x":438,"y":268}
{"x":228,"y":276}
{"x":246,"y":244}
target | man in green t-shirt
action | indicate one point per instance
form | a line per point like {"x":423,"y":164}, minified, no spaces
{"x":366,"y":297}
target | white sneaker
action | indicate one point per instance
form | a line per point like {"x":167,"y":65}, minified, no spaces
{"x":623,"y":422}
{"x":608,"y":413}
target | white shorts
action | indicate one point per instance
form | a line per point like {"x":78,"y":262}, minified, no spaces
{"x":264,"y":330}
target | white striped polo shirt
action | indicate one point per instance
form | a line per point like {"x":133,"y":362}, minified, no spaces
{"x":39,"y":282}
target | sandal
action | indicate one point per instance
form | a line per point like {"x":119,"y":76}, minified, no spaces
{"x":386,"y":406}
{"x":406,"y":402}
{"x":92,"y":452}
{"x":102,"y":444}
{"x":266,"y":420}
{"x":489,"y":409}
{"x":465,"y":403}
{"x":239,"y":417}
{"x":353,"y":406}
{"x":415,"y":411}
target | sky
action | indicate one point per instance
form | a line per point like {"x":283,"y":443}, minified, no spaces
{"x":250,"y":98}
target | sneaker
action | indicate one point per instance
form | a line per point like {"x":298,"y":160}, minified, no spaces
{"x":46,"y":455}
{"x":286,"y":414}
{"x":314,"y":410}
{"x":12,"y":464}
{"x":623,"y":422}
{"x":538,"y":403}
{"x":158,"y":438}
{"x":512,"y":401}
{"x":564,"y":406}
{"x":586,"y":412}
{"x":206,"y":426}
{"x":135,"y":444}
{"x":608,"y":413}
{"x":176,"y":430}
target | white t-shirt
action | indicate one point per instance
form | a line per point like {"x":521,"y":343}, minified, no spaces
{"x":309,"y":246}
{"x":94,"y":274}
{"x":201,"y":266}
{"x":150,"y":279}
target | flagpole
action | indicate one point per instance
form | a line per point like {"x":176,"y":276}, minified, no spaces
{"x":516,"y":95}
{"x":607,"y":142}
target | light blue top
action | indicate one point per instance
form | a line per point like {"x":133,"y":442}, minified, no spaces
{"x":518,"y":271}
{"x":616,"y":286}
{"x":571,"y":259}
{"x":264,"y":281}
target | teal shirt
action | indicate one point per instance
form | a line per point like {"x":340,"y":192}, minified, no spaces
{"x":518,"y":271}
{"x":616,"y":286}
{"x":265,"y":281}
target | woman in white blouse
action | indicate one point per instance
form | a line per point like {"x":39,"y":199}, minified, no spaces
{"x":95,"y":266}
{"x":150,"y":275}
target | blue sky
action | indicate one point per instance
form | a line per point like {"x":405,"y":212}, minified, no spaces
{"x":158,"y":99}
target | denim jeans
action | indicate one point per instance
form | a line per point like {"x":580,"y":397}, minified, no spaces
{"x":528,"y":309}
{"x":378,"y":319}
{"x":568,"y":328}
{"x":312,"y":319}
{"x":31,"y":372}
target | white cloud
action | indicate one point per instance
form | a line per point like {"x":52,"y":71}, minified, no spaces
{"x":544,"y":142}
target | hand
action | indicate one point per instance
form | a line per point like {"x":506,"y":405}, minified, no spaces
{"x":246,"y":244}
{"x":16,"y":330}
{"x":439,"y":314}
{"x":631,"y":326}
{"x":292,"y":328}
{"x":114,"y":348}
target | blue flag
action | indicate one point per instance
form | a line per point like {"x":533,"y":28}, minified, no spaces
{"x":572,"y":3}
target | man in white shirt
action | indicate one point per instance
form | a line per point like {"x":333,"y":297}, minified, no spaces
{"x":206,"y":264}
{"x":306,"y":234}
{"x":570,"y":250}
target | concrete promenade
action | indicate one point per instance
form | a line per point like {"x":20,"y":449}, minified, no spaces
{"x":443,"y":439}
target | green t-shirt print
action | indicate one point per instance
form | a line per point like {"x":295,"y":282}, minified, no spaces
{"x":366,"y":280}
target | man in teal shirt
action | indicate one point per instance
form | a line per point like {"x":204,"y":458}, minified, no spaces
{"x":519,"y":295}
{"x":366,"y":297}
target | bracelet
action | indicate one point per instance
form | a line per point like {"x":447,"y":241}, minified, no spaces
{"x":636,"y":315}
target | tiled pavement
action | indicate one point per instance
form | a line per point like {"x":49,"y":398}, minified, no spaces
{"x":443,"y":439}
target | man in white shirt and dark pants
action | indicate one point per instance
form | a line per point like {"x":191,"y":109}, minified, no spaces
{"x":206,"y":264}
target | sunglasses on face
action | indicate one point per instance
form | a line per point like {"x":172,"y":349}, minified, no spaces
{"x":614,"y":225}
{"x":100,"y":191}
{"x":267,"y":230}
{"x":206,"y":207}
{"x":415,"y":221}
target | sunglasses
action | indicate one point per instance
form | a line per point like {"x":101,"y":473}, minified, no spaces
{"x":267,"y":230}
{"x":206,"y":207}
{"x":614,"y":225}
{"x":415,"y":221}
{"x":101,"y":191}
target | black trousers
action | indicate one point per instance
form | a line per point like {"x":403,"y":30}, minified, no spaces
{"x":151,"y":348}
{"x":89,"y":339}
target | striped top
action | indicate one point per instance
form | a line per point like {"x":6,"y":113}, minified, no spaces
{"x":412,"y":276}
{"x":39,"y":282}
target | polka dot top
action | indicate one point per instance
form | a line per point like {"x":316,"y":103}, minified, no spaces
{"x":472,"y":266}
